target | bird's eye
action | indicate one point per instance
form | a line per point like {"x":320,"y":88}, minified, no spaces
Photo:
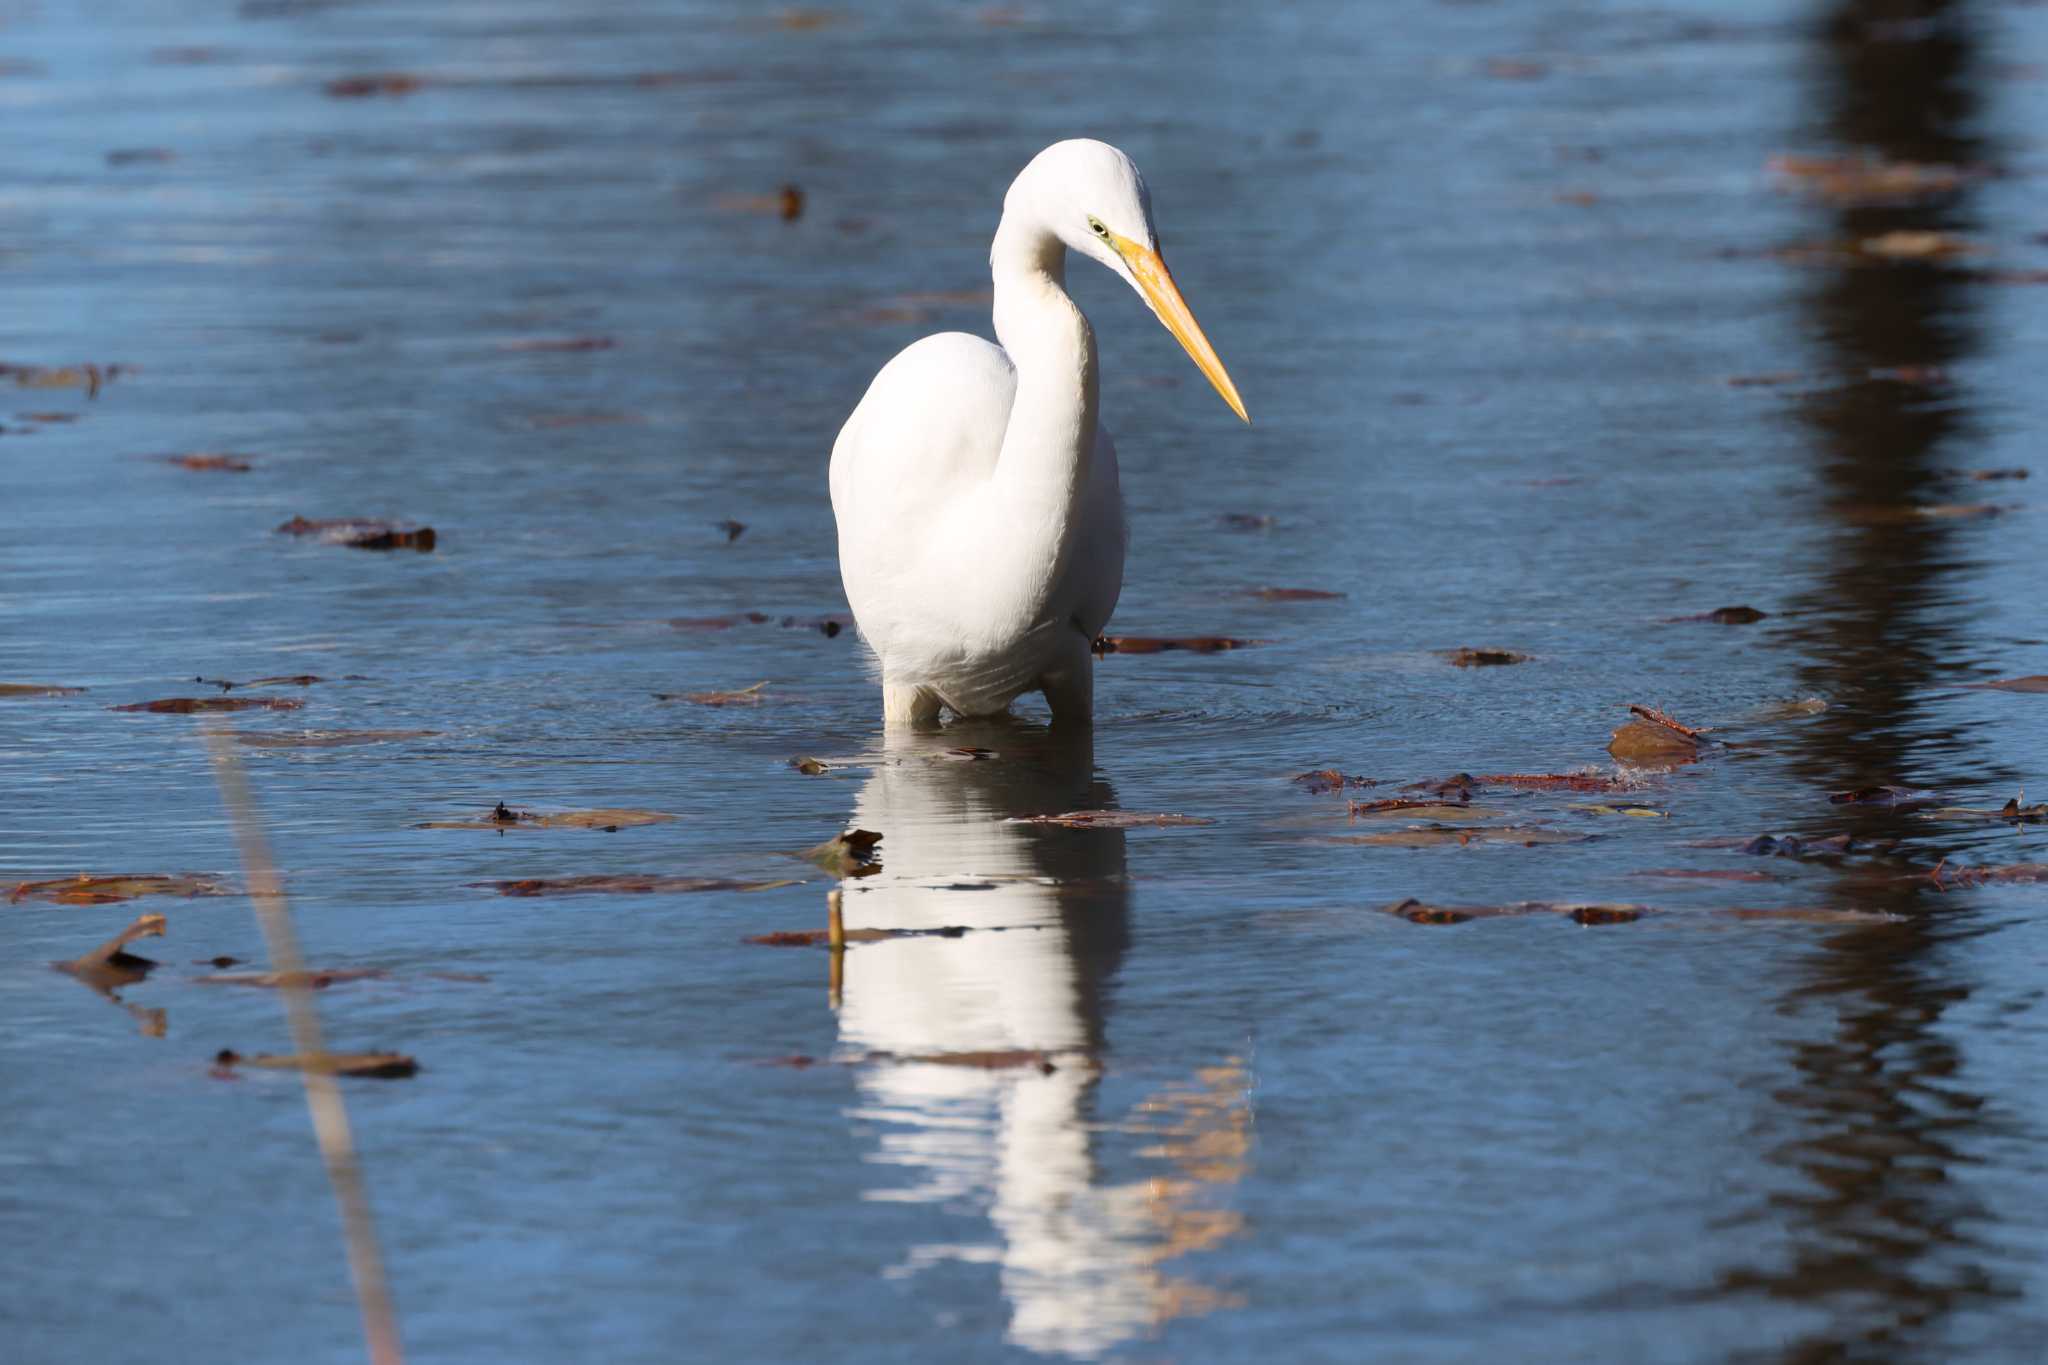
{"x":1095,"y":226}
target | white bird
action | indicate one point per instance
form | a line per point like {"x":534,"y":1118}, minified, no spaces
{"x":981,"y":525}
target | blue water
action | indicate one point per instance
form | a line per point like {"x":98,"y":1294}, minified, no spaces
{"x":1483,"y":274}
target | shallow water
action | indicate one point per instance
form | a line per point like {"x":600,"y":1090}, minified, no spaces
{"x":1483,"y":275}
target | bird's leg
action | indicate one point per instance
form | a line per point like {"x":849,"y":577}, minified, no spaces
{"x":1070,"y":689}
{"x":906,"y":704}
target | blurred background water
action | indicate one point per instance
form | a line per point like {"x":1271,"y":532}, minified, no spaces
{"x":1556,"y":321}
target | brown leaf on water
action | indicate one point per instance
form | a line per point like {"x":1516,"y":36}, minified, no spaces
{"x":1882,"y":796}
{"x":1483,"y":658}
{"x":9,"y":691}
{"x":1107,"y":819}
{"x":1655,"y":739}
{"x":1458,"y":785}
{"x":1403,"y":808}
{"x":1247,"y":521}
{"x":786,"y":203}
{"x":2037,"y":682}
{"x":111,"y":964}
{"x":718,"y":622}
{"x":378,"y":83}
{"x":852,"y":854}
{"x":88,"y":377}
{"x":1918,"y":245}
{"x":808,"y":20}
{"x":789,"y":203}
{"x":185,"y":706}
{"x":1421,"y":912}
{"x":1293,"y":595}
{"x":822,"y":938}
{"x":207,"y":462}
{"x":733,"y":529}
{"x":561,"y":344}
{"x":745,"y":696}
{"x":979,"y":1061}
{"x":790,"y":938}
{"x":312,"y":979}
{"x":1150,"y":644}
{"x":361,"y":533}
{"x":1577,"y":782}
{"x":325,"y":739}
{"x":1330,"y":780}
{"x":1438,"y":836}
{"x":377,"y":1065}
{"x":282,"y":680}
{"x":1724,"y":616}
{"x":1864,"y":179}
{"x":1784,"y":845}
{"x":624,"y":884}
{"x":1965,"y":875}
{"x":85,"y":889}
{"x":810,"y":767}
{"x":1710,"y":875}
{"x":504,"y":817}
{"x":58,"y":417}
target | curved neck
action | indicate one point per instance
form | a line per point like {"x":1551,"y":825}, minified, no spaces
{"x":1049,"y":445}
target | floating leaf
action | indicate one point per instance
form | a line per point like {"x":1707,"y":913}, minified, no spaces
{"x":1944,"y":876}
{"x":1107,"y":819}
{"x":1782,"y":845}
{"x":1150,"y":644}
{"x":1863,"y":179}
{"x":2011,"y":810}
{"x":1905,"y":244}
{"x":87,"y":377}
{"x":378,"y":1065}
{"x":379,"y":83}
{"x":205,"y":463}
{"x":85,"y":889}
{"x":1899,"y":514}
{"x":810,"y":767}
{"x":733,"y":529}
{"x":504,"y":817}
{"x":1421,"y":912}
{"x":851,"y":854}
{"x":569,"y":345}
{"x":1637,"y":812}
{"x":12,"y":690}
{"x":1483,"y":658}
{"x":624,"y":884}
{"x":1655,"y":738}
{"x":185,"y":706}
{"x":326,"y":739}
{"x":362,"y":533}
{"x":746,"y":696}
{"x":1989,"y":475}
{"x":1577,"y":782}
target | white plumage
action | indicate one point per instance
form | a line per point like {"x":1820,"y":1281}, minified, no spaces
{"x":981,"y":526}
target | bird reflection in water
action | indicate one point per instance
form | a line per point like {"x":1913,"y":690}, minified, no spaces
{"x":980,"y":1054}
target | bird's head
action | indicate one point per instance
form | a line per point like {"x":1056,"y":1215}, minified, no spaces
{"x":1092,"y":198}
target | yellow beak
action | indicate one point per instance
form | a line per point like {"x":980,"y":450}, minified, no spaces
{"x":1155,"y":281}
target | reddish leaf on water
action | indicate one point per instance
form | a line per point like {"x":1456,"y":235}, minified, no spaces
{"x":1420,"y":810}
{"x":379,"y":83}
{"x":183,"y":706}
{"x":786,"y":203}
{"x":1150,"y":644}
{"x":1293,"y":595}
{"x":1107,"y":819}
{"x":209,"y":463}
{"x":623,"y":884}
{"x":1483,"y":658}
{"x":57,"y":417}
{"x":790,"y":938}
{"x":1725,"y":616}
{"x":2037,"y":682}
{"x":1421,"y":912}
{"x":85,"y":889}
{"x":361,"y":533}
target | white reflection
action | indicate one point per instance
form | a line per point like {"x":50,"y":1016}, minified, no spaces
{"x":982,"y":1050}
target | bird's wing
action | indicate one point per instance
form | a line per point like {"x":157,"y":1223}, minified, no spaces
{"x":928,"y":431}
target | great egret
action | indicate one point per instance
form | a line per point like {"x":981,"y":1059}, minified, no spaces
{"x":981,"y":526}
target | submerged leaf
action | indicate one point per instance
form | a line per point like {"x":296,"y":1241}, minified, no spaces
{"x":504,"y":817}
{"x":1294,"y":595}
{"x":745,"y":696}
{"x":184,"y":706}
{"x":1404,"y":809}
{"x":1577,"y":782}
{"x":1483,"y":658}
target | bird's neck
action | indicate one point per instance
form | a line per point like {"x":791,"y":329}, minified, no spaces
{"x":1049,"y":445}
